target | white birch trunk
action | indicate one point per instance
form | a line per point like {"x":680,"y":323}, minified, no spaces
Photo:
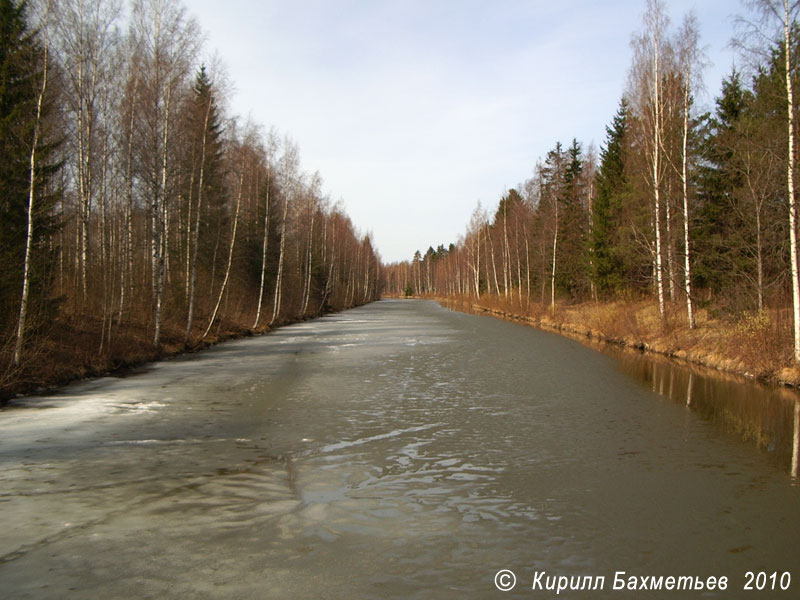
{"x":230,"y":255}
{"x":527,"y":271}
{"x":307,"y":282}
{"x":478,"y":268}
{"x":84,"y":202}
{"x":555,"y":257}
{"x":264,"y":245}
{"x":26,"y":275}
{"x":687,"y":272}
{"x":276,"y":305}
{"x":189,"y":237}
{"x":506,"y":257}
{"x":195,"y":238}
{"x":670,"y":243}
{"x":790,"y":184}
{"x":160,"y":242}
{"x":494,"y":267}
{"x":656,"y":165}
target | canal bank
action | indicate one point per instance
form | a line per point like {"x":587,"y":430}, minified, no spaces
{"x":76,"y":350}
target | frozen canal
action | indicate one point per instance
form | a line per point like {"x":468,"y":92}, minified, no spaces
{"x":398,"y":450}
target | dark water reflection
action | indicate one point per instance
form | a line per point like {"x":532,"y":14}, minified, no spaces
{"x":766,"y":416}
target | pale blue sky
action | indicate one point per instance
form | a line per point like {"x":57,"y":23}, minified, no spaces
{"x":413,"y":110}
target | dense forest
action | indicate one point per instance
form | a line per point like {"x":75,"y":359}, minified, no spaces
{"x":692,"y":214}
{"x":138,"y":217}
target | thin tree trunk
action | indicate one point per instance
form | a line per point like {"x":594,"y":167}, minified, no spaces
{"x":127,"y":272}
{"x":519,"y":262}
{"x":189,"y":234}
{"x":795,"y":467}
{"x":367,"y":281}
{"x":527,"y":271}
{"x":264,"y":245}
{"x":670,"y":243}
{"x":506,"y":256}
{"x":195,"y":238}
{"x":230,"y":254}
{"x":83,"y":183}
{"x":478,"y":268}
{"x":590,"y":213}
{"x":687,"y":273}
{"x":307,"y":281}
{"x":494,"y":267}
{"x":759,"y":261}
{"x":105,"y":260}
{"x":276,"y":305}
{"x":790,"y":184}
{"x":26,"y":275}
{"x":331,"y":264}
{"x":656,"y":164}
{"x":555,"y":257}
{"x":160,"y":243}
{"x":167,"y":221}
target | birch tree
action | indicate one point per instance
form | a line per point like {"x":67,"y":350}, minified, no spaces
{"x":289,"y":186}
{"x":127,"y":118}
{"x":311,"y":208}
{"x":473,"y":242}
{"x":788,"y":21}
{"x":86,"y":41}
{"x":551,"y":189}
{"x":205,"y":133}
{"x":645,"y":82}
{"x":168,"y":43}
{"x":245,"y":166}
{"x":32,"y":193}
{"x":690,"y":61}
{"x":774,"y":23}
{"x":271,"y":146}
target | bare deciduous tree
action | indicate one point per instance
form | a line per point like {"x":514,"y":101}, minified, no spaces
{"x":650,"y":48}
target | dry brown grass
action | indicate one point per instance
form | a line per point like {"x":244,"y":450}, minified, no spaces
{"x":71,"y":349}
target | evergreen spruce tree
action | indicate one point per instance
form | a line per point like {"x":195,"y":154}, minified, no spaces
{"x":718,"y":230}
{"x":571,"y":275}
{"x":762,"y":157}
{"x":209,"y":191}
{"x":507,"y":205}
{"x":207,"y":194}
{"x":21,"y":62}
{"x":612,"y":189}
{"x":552,"y":184}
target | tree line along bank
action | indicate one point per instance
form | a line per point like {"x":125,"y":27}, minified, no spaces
{"x":138,"y":217}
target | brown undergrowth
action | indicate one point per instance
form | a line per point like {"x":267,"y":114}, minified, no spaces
{"x":756,"y":345}
{"x":73,"y":348}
